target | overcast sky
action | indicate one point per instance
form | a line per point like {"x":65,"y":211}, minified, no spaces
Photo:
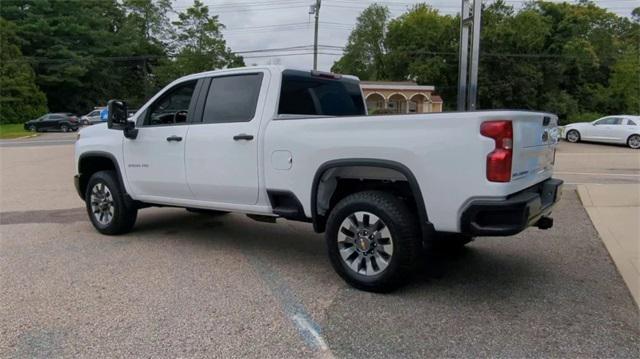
{"x":276,"y":24}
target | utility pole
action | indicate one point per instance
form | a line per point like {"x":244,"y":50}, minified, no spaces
{"x":315,"y":9}
{"x":463,"y":56}
{"x":468,"y":87}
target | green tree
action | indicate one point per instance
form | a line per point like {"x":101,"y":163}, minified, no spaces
{"x":505,"y":80}
{"x":625,"y":82}
{"x":86,"y":52}
{"x":146,"y":35}
{"x":20,"y":98}
{"x":72,"y":44}
{"x":201,"y":46}
{"x":422,"y":46}
{"x":364,"y":53}
{"x":150,"y":19}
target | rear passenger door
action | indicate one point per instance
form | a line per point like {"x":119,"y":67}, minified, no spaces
{"x":222,"y":146}
{"x":619,"y":130}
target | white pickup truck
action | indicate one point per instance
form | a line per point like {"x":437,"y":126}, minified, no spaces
{"x":275,"y":143}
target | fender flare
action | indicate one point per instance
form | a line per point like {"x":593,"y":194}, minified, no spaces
{"x":108,"y":156}
{"x":319,"y":224}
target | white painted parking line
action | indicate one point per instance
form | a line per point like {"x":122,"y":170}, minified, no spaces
{"x":304,"y":325}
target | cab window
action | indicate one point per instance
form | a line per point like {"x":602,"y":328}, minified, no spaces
{"x":305,"y":93}
{"x":232,"y":98}
{"x":172,"y":107}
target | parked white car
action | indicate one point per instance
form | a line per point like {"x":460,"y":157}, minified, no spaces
{"x":272,"y":143}
{"x":622,"y":129}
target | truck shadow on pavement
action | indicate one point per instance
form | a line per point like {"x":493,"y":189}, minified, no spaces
{"x":298,"y":245}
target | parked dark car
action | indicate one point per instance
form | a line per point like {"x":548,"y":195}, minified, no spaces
{"x":64,"y":122}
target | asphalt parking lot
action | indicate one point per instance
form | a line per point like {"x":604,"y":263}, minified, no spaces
{"x":189,"y":285}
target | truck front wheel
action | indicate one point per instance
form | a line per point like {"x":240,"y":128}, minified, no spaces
{"x":109,"y":211}
{"x":373,"y":240}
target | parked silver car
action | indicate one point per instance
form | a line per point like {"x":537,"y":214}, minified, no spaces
{"x":91,"y":118}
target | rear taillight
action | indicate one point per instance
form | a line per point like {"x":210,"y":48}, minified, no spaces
{"x":499,"y":160}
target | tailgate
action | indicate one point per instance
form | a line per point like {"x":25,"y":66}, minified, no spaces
{"x":535,"y":139}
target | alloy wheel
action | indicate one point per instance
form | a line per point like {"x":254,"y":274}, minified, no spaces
{"x":634,"y":141}
{"x":102,"y":206}
{"x":573,"y":136}
{"x":365,"y":243}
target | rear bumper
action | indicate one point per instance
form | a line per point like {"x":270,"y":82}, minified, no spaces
{"x":511,"y":215}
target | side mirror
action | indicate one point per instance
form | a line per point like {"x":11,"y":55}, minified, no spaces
{"x":118,"y":119}
{"x":117,"y":115}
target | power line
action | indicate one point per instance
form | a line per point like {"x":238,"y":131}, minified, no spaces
{"x":282,"y":51}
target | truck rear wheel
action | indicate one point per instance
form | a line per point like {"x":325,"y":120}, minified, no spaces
{"x":373,"y":240}
{"x":109,"y":211}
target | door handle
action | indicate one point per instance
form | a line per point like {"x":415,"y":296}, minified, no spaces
{"x":174,"y":138}
{"x":243,"y":136}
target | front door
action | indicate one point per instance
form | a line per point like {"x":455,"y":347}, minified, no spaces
{"x":222,"y":148}
{"x":154,"y":161}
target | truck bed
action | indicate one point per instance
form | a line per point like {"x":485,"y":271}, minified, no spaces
{"x":444,"y":151}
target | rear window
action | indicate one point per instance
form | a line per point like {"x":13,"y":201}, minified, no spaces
{"x":304,"y":94}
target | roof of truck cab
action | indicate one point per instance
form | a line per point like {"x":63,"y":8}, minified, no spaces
{"x":272,"y":68}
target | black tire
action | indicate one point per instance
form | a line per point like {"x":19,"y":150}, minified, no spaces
{"x":403,"y":228}
{"x":209,"y":212}
{"x":572,"y":140}
{"x":124,"y":211}
{"x":64,"y":128}
{"x":32,"y":128}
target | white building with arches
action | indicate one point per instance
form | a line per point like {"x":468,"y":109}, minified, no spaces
{"x":400,"y":97}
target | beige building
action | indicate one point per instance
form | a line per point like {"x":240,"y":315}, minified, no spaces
{"x":400,"y":97}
